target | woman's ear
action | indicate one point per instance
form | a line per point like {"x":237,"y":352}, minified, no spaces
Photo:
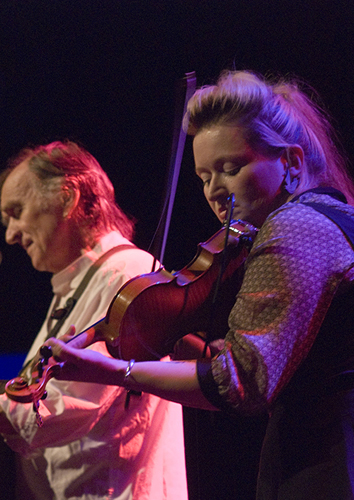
{"x":70,"y":198}
{"x":293,"y":160}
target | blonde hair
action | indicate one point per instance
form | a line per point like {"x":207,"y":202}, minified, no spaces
{"x":274,"y":114}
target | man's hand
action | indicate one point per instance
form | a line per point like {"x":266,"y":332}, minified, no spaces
{"x":69,"y":334}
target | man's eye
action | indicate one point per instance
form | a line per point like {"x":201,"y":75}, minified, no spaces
{"x":16,"y":213}
{"x":13,"y":213}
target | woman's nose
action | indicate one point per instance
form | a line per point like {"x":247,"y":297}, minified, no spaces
{"x":216,"y":189}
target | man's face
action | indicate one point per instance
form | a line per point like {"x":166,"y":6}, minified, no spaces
{"x":36,"y":223}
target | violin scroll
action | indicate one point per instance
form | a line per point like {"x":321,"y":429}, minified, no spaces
{"x":25,"y":390}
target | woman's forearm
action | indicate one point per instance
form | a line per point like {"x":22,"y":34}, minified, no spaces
{"x":175,"y":380}
{"x":172,"y":380}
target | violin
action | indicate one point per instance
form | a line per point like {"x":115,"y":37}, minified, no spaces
{"x":151,"y":312}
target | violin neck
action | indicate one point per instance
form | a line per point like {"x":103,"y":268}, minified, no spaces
{"x":88,"y":337}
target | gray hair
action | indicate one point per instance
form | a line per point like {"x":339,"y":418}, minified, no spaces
{"x":66,"y":163}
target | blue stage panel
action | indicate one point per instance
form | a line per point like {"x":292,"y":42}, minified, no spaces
{"x":10,"y":365}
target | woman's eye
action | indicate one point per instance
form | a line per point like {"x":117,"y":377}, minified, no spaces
{"x":230,"y":168}
{"x":233,"y":171}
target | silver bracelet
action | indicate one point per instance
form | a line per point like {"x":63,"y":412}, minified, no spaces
{"x":127,"y":374}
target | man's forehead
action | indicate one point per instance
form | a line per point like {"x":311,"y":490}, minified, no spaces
{"x":18,"y":181}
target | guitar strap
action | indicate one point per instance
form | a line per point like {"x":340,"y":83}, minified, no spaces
{"x":62,"y":314}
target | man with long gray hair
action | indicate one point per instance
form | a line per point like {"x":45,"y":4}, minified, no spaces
{"x":59,"y":205}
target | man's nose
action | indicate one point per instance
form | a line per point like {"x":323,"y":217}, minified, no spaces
{"x":13,"y":233}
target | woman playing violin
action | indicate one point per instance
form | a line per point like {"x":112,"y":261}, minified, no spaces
{"x":289,"y":344}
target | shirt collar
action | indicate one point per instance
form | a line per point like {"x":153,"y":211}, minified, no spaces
{"x":70,"y":277}
{"x":338,"y":195}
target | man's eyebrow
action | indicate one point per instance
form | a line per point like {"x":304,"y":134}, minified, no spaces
{"x":6,"y":211}
{"x":11,"y":205}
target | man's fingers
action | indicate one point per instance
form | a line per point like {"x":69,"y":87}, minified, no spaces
{"x":69,"y":334}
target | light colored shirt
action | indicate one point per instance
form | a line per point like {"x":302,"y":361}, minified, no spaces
{"x":90,"y":447}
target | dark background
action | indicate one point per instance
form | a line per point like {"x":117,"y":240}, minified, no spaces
{"x":103,"y":72}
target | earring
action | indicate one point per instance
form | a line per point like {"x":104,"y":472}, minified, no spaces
{"x":290,"y":186}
